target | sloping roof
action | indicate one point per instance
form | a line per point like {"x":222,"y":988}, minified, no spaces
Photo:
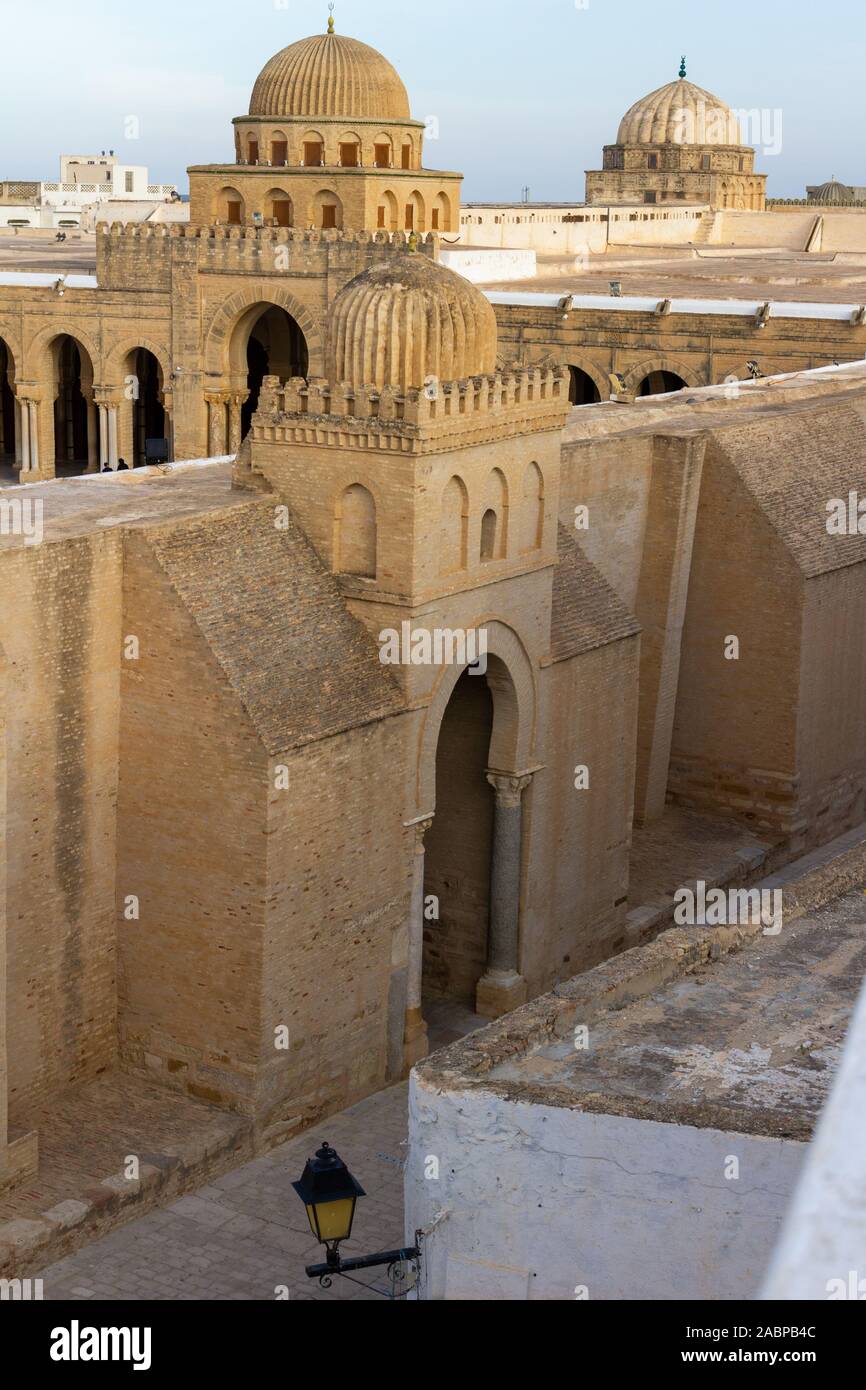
{"x":276,"y":622}
{"x":586,"y":612}
{"x":796,"y":461}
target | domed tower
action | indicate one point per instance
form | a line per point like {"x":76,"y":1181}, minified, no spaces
{"x":418,"y":470}
{"x":678,"y":144}
{"x":427,"y":481}
{"x":328,"y":142}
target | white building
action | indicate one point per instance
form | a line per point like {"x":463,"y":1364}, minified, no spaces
{"x":90,"y":188}
{"x":639,"y":1133}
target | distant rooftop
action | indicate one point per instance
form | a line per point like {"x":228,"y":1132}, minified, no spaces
{"x":706,"y":273}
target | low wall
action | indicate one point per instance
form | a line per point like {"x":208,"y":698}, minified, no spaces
{"x":483,"y":265}
{"x":546,"y":1202}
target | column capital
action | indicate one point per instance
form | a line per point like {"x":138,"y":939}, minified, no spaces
{"x":217,"y":397}
{"x":509,"y":786}
{"x":420,"y":824}
{"x":107,"y":395}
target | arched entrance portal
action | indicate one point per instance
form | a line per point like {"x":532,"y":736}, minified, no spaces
{"x":458,"y":848}
{"x":73,"y":425}
{"x":657,"y":383}
{"x":464,"y":956}
{"x":582,"y":390}
{"x":148,"y":411}
{"x":275,"y":347}
{"x":7,"y":412}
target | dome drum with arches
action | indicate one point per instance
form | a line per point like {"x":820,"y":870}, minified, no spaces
{"x":678,"y":143}
{"x":328,"y":142}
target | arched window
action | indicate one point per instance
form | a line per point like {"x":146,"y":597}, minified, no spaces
{"x":494,"y":519}
{"x":279,"y":206}
{"x":349,"y":148}
{"x":327,"y":210}
{"x":415,"y":213}
{"x":440,"y":214}
{"x":230,"y":207}
{"x":356,"y":533}
{"x":279,"y":148}
{"x":313,"y":149}
{"x":454,"y":527}
{"x":532,"y":510}
{"x":383,"y":152}
{"x":389,"y":213}
{"x":488,"y":535}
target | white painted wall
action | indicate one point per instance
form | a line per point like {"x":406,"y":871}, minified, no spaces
{"x":483,"y":266}
{"x":534,"y":1202}
{"x":545,"y":230}
{"x":822,"y":1253}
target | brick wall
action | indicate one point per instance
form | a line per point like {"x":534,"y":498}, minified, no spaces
{"x":60,"y":627}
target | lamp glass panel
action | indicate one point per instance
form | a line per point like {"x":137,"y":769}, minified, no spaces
{"x":335,"y":1218}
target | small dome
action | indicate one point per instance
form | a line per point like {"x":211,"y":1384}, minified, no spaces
{"x":409,"y":319}
{"x":329,"y":75}
{"x":833,"y":192}
{"x":679,"y":114}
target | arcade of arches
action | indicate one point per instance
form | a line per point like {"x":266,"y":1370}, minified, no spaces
{"x":94,"y":428}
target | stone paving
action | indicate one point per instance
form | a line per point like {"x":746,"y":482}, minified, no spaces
{"x":245,"y":1236}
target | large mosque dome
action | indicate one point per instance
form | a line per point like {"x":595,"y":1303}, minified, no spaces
{"x":330,"y":75}
{"x":679,"y":113}
{"x":409,"y":319}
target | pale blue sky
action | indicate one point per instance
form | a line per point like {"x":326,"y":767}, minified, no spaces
{"x":525,"y":93}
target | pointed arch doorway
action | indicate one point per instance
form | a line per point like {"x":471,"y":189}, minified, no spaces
{"x":464,"y":941}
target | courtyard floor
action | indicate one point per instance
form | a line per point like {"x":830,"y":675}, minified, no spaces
{"x":245,"y":1235}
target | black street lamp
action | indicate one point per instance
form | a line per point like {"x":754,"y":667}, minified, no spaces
{"x":330,"y":1193}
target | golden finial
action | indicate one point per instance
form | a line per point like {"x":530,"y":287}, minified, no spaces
{"x":331,"y":19}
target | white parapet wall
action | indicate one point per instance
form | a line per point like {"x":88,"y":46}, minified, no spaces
{"x":485,"y":265}
{"x":822,"y":1252}
{"x":522,"y":1201}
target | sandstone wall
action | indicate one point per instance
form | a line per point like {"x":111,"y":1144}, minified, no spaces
{"x":832,"y":727}
{"x":60,"y":628}
{"x":193,"y":850}
{"x":735,"y":739}
{"x":336,"y":912}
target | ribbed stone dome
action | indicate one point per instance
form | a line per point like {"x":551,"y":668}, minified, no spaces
{"x":681,"y":114}
{"x":832,"y":192}
{"x":329,"y":75}
{"x":407,"y":320}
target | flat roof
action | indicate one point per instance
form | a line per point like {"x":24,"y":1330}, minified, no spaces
{"x":713,"y":407}
{"x":714,"y":1027}
{"x":751,"y":1040}
{"x":86,"y":504}
{"x":721,"y":279}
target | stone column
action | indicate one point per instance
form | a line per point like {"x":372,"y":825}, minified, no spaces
{"x":92,"y":437}
{"x":415,"y":1029}
{"x":103,"y":436}
{"x":235,"y":404}
{"x":18,"y":434}
{"x":112,"y":435}
{"x":33,"y":412}
{"x":502,"y":987}
{"x":216,"y":424}
{"x":24,"y":413}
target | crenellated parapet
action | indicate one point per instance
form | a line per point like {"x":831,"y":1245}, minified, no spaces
{"x":439,"y":417}
{"x":141,"y":256}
